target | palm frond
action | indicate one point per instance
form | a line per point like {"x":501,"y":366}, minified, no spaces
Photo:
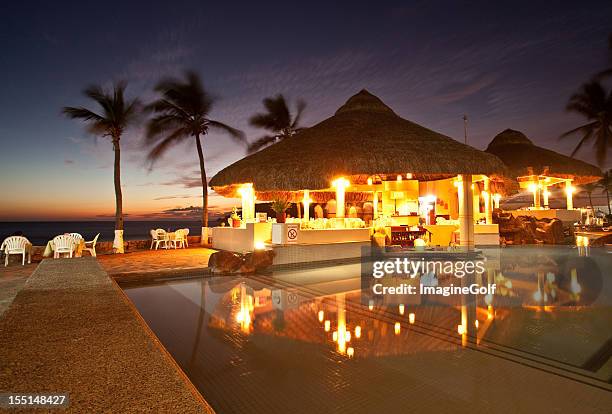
{"x":585,"y":138}
{"x":584,"y":129}
{"x":81,"y":113}
{"x":234,"y":133}
{"x":301,"y":105}
{"x":163,"y":124}
{"x":264,"y":121}
{"x":174,"y":138}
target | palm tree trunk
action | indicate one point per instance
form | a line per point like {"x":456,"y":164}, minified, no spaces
{"x":608,"y":198}
{"x":117,"y":178}
{"x":118,"y":242}
{"x":204,"y":183}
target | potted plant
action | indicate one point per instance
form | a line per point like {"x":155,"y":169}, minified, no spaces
{"x":280,"y":205}
{"x":235,"y":218}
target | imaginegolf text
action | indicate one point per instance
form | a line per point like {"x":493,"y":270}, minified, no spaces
{"x":405,"y":289}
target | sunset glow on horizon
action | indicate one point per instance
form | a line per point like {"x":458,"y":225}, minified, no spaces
{"x":53,"y":169}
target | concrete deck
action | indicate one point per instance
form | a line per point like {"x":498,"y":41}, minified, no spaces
{"x":12,"y":279}
{"x":71,"y":329}
{"x":155,"y":261}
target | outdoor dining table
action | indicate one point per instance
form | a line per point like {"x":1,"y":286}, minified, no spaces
{"x":78,"y":248}
{"x":169,"y":236}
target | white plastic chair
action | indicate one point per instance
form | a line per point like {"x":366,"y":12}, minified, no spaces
{"x":158,"y":237}
{"x":90,"y":246}
{"x":76,"y":236}
{"x":63,"y":244}
{"x":186,"y":233}
{"x":179,"y":239}
{"x":16,"y":245}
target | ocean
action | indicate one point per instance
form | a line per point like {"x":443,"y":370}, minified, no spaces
{"x":39,"y":232}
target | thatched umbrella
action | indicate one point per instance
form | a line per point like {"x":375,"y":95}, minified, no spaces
{"x":523,"y":158}
{"x":364,"y":138}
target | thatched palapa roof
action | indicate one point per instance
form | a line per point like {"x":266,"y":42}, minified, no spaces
{"x":363,"y":138}
{"x":523,"y":158}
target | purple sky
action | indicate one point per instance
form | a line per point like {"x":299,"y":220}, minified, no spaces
{"x":505,"y":66}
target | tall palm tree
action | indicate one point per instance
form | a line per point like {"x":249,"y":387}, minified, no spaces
{"x":180,"y":114}
{"x":116,"y":115}
{"x":595,"y":104}
{"x":590,"y":188}
{"x":606,"y":185}
{"x":278,"y":120}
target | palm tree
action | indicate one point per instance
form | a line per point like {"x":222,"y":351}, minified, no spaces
{"x":278,"y":120}
{"x":590,"y":188}
{"x":182,"y":113}
{"x":595,"y":104}
{"x":117,"y":114}
{"x":606,"y":185}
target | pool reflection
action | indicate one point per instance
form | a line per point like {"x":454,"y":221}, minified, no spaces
{"x":304,"y":326}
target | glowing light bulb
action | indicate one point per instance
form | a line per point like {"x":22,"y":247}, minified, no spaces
{"x":259,"y":245}
{"x":476,"y":323}
{"x":401,"y":309}
{"x":409,"y":176}
{"x":460,"y":329}
{"x":411,"y":317}
{"x":335,"y":336}
{"x":357,"y":331}
{"x":321,"y":315}
{"x":327,"y":326}
{"x":399,"y":178}
{"x":369,"y":180}
{"x":397,"y":328}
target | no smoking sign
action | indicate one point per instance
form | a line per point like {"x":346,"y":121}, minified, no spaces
{"x":292,"y":233}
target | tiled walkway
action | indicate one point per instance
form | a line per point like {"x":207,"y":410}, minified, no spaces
{"x":12,"y":279}
{"x":71,"y":330}
{"x":155,"y":260}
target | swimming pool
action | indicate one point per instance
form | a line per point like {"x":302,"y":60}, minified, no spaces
{"x":303,"y":340}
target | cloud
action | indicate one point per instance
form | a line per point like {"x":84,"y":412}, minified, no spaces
{"x":173,"y":197}
{"x":457,"y":92}
{"x":190,"y":180}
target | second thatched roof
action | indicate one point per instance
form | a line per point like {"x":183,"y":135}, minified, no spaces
{"x":362,"y":139}
{"x":523,"y":158}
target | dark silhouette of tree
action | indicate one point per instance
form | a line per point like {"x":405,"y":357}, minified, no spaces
{"x":606,"y":185}
{"x":595,"y":104}
{"x":180,"y":114}
{"x":116,"y":115}
{"x":278,"y":120}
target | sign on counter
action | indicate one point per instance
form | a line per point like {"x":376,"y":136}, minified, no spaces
{"x":292,"y":233}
